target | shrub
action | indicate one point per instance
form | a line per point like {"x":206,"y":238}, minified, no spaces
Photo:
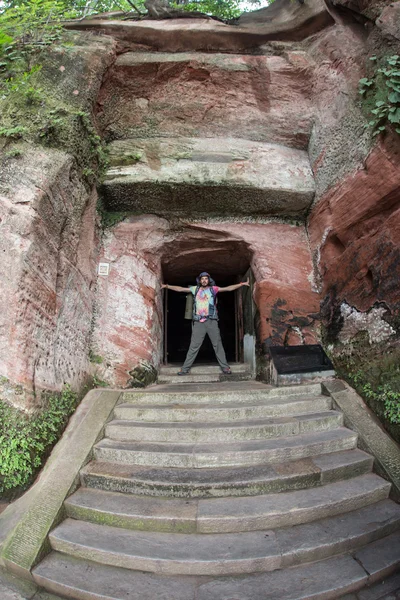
{"x":381,"y":95}
{"x":26,"y":441}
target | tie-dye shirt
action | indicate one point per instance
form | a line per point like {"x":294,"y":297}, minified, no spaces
{"x":205,"y":305}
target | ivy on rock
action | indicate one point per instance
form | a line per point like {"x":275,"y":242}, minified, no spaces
{"x":381,"y":95}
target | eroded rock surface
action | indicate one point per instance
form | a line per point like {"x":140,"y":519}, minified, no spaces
{"x":48,"y":234}
{"x":259,"y":98}
{"x":285,"y":21}
{"x":355,"y":233}
{"x":47,"y":242}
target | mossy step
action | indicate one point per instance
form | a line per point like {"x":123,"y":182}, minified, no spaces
{"x":236,"y":392}
{"x":225,"y":514}
{"x":241,"y":391}
{"x":133,"y":431}
{"x":227,"y":411}
{"x":203,"y":455}
{"x":226,"y":481}
{"x":226,"y":553}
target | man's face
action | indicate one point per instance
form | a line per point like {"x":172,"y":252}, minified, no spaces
{"x":204,"y":281}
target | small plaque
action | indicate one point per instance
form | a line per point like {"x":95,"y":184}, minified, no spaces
{"x":104,"y":269}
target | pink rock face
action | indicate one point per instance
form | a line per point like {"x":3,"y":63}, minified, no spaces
{"x":129,"y":309}
{"x":47,"y":245}
{"x":261,"y":98}
{"x":355,"y":235}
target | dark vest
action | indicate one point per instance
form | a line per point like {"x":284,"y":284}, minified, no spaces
{"x":212,"y":308}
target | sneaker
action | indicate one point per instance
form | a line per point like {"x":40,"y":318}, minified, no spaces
{"x":227,"y":371}
{"x":182,"y":372}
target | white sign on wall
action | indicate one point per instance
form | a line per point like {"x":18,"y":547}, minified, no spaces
{"x":103,"y":269}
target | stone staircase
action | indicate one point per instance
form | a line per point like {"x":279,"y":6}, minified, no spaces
{"x":224,"y":491}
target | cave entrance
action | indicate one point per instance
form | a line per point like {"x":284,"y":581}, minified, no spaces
{"x":227,"y":263}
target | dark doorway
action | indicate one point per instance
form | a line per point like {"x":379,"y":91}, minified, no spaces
{"x":228,"y":263}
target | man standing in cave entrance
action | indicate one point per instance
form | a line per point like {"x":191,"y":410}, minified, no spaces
{"x":205,"y":319}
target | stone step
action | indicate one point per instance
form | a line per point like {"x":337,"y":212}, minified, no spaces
{"x":133,"y":431}
{"x":203,"y":378}
{"x":164,"y":454}
{"x":225,"y":553}
{"x":65,"y":575}
{"x":322,"y":580}
{"x":227,"y":411}
{"x":220,"y":393}
{"x":225,"y":515}
{"x":205,"y":369}
{"x":228,"y":481}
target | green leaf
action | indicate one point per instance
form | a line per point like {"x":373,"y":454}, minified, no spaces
{"x":394,"y":97}
{"x":373,"y":57}
{"x":394,"y":117}
{"x":365,"y":82}
{"x":5,"y":39}
{"x":395,"y":86}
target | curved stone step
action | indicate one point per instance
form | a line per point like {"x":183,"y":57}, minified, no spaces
{"x":62,"y":574}
{"x":133,"y":431}
{"x":163,"y":454}
{"x":228,"y":481}
{"x":239,"y":392}
{"x":228,"y":411}
{"x":323,"y":579}
{"x":225,"y":515}
{"x":226,"y":553}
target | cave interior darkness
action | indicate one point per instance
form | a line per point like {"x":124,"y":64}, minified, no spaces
{"x":227,"y":262}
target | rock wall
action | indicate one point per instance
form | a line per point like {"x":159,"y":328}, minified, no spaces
{"x":354,"y":223}
{"x":48,"y":232}
{"x":168,"y":117}
{"x":47,"y":274}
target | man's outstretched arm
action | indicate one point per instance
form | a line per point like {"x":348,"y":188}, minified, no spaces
{"x":175,"y":288}
{"x":231,"y":288}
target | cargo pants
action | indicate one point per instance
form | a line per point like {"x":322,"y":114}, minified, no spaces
{"x":199,"y":331}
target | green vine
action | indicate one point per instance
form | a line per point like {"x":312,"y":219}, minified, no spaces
{"x":381,"y":95}
{"x":25,"y":441}
{"x":387,"y":394}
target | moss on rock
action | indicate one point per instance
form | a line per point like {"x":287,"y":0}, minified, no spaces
{"x":142,"y":375}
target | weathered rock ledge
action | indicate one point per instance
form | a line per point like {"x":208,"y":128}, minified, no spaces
{"x":208,"y":176}
{"x":285,"y":21}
